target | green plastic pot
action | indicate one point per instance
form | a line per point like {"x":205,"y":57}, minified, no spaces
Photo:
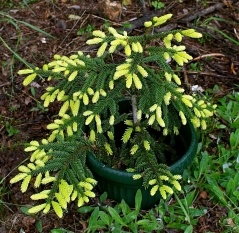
{"x":120,"y":184}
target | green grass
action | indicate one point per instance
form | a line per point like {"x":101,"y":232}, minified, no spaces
{"x":214,"y":170}
{"x":206,"y":24}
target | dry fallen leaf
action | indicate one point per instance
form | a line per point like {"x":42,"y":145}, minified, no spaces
{"x":35,"y":84}
{"x":232,"y":69}
{"x":110,"y":9}
{"x":27,"y":222}
{"x":203,"y":195}
{"x":27,"y":100}
{"x":230,"y":222}
{"x":84,"y":225}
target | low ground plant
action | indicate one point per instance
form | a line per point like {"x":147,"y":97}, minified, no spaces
{"x":214,"y":171}
{"x":218,"y":163}
{"x":121,"y":218}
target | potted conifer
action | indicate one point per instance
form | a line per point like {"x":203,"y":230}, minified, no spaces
{"x":126,"y":110}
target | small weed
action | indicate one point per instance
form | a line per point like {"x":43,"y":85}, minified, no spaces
{"x":127,"y":25}
{"x":197,"y":66}
{"x":121,"y":218}
{"x":228,"y":110}
{"x":106,"y":24}
{"x":80,"y":32}
{"x":10,"y":129}
{"x":8,"y":125}
{"x":11,"y":4}
{"x":39,"y":106}
{"x":204,"y":3}
{"x":217,"y":170}
{"x":205,"y":39}
{"x":6,"y":4}
{"x":4,"y":63}
{"x":61,"y":230}
{"x":88,"y":30}
{"x":157,"y":4}
{"x":12,"y":108}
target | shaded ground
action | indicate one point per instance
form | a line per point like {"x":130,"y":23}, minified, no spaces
{"x":216,"y":61}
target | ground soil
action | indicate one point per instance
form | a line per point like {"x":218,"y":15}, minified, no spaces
{"x":216,"y":62}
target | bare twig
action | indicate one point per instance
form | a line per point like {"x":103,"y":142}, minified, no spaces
{"x":166,"y":28}
{"x":5,"y":84}
{"x":204,"y":12}
{"x":209,"y":55}
{"x":207,"y":74}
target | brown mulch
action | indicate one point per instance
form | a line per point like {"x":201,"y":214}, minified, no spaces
{"x":217,"y":61}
